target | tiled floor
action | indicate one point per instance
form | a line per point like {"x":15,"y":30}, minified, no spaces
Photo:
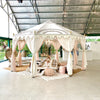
{"x":82,"y":86}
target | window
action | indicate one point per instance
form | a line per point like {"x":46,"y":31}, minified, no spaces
{"x":90,"y":39}
{"x":3,"y":46}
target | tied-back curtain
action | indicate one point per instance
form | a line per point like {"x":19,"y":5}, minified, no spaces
{"x":34,"y":43}
{"x":13,"y":62}
{"x":37,"y":55}
{"x":64,"y":43}
{"x":21,"y":44}
{"x":75,"y":53}
{"x":69,"y":63}
{"x":38,"y":44}
{"x":38,"y":41}
{"x":30,"y":43}
{"x":84,"y":60}
{"x":56,"y":45}
{"x":68,"y":44}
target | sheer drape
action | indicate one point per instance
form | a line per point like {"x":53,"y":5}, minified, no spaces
{"x":75,"y":53}
{"x":84,"y":60}
{"x":13,"y":62}
{"x":21,"y":45}
{"x":56,"y":45}
{"x":38,"y":42}
{"x":37,"y":45}
{"x":37,"y":55}
{"x":68,"y":44}
{"x":30,"y":43}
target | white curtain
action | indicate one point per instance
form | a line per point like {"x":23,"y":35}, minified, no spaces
{"x":37,"y":55}
{"x":64,"y":42}
{"x":84,"y":59}
{"x":21,"y":44}
{"x":75,"y":54}
{"x":13,"y":62}
{"x":38,"y":41}
{"x":34,"y":43}
{"x":56,"y":45}
{"x":68,"y":44}
{"x":30,"y":43}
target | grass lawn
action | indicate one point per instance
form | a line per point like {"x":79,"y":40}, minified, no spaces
{"x":2,"y":54}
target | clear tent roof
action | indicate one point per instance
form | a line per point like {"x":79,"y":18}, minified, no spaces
{"x":82,"y":16}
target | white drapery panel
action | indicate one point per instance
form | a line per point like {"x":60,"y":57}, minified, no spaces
{"x":84,"y":60}
{"x":68,"y":44}
{"x":69,"y":63}
{"x":75,"y":53}
{"x":64,"y":42}
{"x":21,"y":44}
{"x":30,"y":43}
{"x":34,"y":43}
{"x":56,"y":45}
{"x":38,"y":42}
{"x":13,"y":62}
{"x":37,"y":55}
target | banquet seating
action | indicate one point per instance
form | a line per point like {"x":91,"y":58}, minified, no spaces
{"x":42,"y":64}
{"x":54,"y":63}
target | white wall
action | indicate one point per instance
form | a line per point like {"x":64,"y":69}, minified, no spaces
{"x":4,"y":25}
{"x":95,"y":47}
{"x":89,"y":54}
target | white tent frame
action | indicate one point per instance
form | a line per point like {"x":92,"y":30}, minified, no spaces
{"x":36,"y":35}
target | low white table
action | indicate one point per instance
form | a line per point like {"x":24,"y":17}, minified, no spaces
{"x":26,"y":60}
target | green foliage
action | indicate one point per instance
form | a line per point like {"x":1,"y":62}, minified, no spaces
{"x":98,"y":40}
{"x":91,"y":40}
{"x":52,"y":49}
{"x":2,"y":54}
{"x":26,"y":49}
{"x":2,"y":42}
{"x":44,"y":48}
{"x":10,"y":43}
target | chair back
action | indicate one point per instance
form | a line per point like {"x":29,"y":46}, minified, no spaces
{"x":8,"y":54}
{"x":54,"y":63}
